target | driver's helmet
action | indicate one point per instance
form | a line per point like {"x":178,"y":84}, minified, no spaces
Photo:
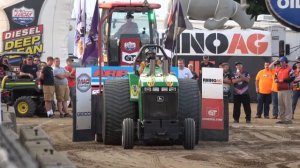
{"x":150,"y":53}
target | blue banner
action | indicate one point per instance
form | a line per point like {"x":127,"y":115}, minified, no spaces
{"x":112,"y":72}
{"x":286,"y":11}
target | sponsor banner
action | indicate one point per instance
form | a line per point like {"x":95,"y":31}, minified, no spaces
{"x":129,"y":50}
{"x":25,"y":34}
{"x":212,"y":114}
{"x":83,"y":99}
{"x":111,"y":72}
{"x":28,"y":39}
{"x":23,"y":15}
{"x":224,"y":43}
{"x":212,"y":78}
{"x":286,"y":12}
{"x":212,"y":99}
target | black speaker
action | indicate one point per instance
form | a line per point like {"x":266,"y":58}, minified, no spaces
{"x":287,"y":49}
{"x":281,"y":48}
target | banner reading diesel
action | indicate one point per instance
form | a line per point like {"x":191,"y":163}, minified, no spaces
{"x":25,"y":33}
{"x":24,"y":40}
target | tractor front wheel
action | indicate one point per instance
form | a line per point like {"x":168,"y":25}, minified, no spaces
{"x":189,"y":134}
{"x":128,"y":133}
{"x":25,"y":106}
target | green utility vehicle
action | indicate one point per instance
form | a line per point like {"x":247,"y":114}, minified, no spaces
{"x":23,"y":93}
{"x":151,"y":106}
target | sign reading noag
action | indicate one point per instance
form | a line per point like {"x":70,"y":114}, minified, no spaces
{"x":23,"y":15}
{"x":84,"y":82}
{"x":286,"y":12}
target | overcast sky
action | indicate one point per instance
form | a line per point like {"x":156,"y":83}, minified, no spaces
{"x":90,"y":4}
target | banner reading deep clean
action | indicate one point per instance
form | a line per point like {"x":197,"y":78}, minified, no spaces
{"x":27,"y":40}
{"x":212,"y":99}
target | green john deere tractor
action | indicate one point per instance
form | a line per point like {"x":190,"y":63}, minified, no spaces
{"x":151,"y":106}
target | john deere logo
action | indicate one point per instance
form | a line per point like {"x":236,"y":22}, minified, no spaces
{"x":286,"y":12}
{"x":160,"y":99}
{"x":23,"y":15}
{"x":84,"y":82}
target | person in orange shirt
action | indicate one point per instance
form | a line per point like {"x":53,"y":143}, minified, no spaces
{"x":263,"y":83}
{"x":284,"y":76}
{"x":276,"y":64}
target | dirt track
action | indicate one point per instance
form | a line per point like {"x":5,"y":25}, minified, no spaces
{"x":260,"y":144}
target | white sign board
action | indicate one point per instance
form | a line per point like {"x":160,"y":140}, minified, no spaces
{"x":212,"y":116}
{"x":224,"y":43}
{"x":83,"y":98}
{"x":212,"y":83}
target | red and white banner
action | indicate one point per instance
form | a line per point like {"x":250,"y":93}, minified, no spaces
{"x":212,"y":99}
{"x":129,"y":50}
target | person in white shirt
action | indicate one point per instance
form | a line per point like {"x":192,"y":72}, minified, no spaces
{"x":183,"y":72}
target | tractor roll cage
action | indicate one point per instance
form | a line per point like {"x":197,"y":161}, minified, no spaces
{"x":101,"y":22}
{"x":141,"y":52}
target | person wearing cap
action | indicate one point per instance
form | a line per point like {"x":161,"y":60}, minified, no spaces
{"x":129,"y":27}
{"x":29,"y":69}
{"x":205,"y":63}
{"x":296,"y":88}
{"x":263,"y":83}
{"x":274,"y":66}
{"x":240,"y":80}
{"x":284,"y":76}
{"x":71,"y":78}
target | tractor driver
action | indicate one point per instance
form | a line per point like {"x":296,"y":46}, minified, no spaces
{"x":129,"y":27}
{"x":29,"y":69}
{"x":150,"y":55}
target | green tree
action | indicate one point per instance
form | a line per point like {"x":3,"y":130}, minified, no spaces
{"x":257,"y":7}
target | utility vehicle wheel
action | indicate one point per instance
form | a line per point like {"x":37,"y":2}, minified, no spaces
{"x":189,"y":134}
{"x":189,"y":103}
{"x":24,"y":106}
{"x":128,"y":133}
{"x":116,"y":107}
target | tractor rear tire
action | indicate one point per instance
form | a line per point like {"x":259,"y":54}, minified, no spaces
{"x":189,"y":103}
{"x":24,"y":107}
{"x":128,"y":133}
{"x":189,"y":134}
{"x":116,"y":107}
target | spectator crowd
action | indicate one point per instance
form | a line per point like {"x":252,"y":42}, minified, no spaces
{"x":277,"y":84}
{"x":57,"y":81}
